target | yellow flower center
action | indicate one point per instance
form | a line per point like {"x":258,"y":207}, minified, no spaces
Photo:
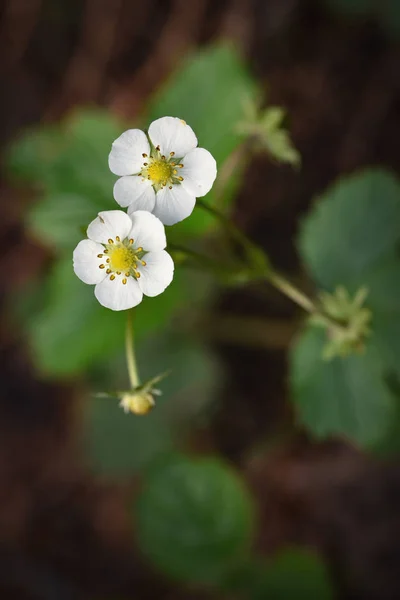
{"x":160,"y":171}
{"x":122,"y":258}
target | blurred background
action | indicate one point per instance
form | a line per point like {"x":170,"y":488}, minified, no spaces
{"x":219,"y":492}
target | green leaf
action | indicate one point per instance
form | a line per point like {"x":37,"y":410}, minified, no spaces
{"x":72,"y":331}
{"x":208,"y":91}
{"x":118,"y":444}
{"x":291,"y":574}
{"x":353,"y":225}
{"x":344,"y":397}
{"x":383,"y":284}
{"x":280,"y":146}
{"x":194,"y":519}
{"x":57,"y":220}
{"x":70,"y":158}
{"x":31,"y":157}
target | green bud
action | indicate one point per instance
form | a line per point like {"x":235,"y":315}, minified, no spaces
{"x":138,"y":403}
{"x":265,"y":128}
{"x":346,"y":320}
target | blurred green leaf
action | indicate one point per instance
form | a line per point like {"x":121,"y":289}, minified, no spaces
{"x":353,"y":225}
{"x":118,"y":444}
{"x":208,"y":91}
{"x":57,"y":220}
{"x":344,"y":397}
{"x":291,"y":574}
{"x":70,"y":158}
{"x":194,"y":519}
{"x":31,"y":157}
{"x":72,"y":331}
{"x":265,"y":128}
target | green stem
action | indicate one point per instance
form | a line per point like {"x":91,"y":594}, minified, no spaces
{"x":130,"y":352}
{"x":236,"y":233}
{"x":289,"y":290}
{"x":279,"y":282}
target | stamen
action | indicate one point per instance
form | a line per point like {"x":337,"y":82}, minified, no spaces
{"x":144,"y":263}
{"x":105,"y":251}
{"x":144,"y":155}
{"x":170,"y":187}
{"x":180,"y":165}
{"x":108,"y":271}
{"x":145,"y":164}
{"x":127,"y":274}
{"x":131,"y":241}
{"x":180,"y":178}
{"x":110,"y":241}
{"x":124,"y":281}
{"x":163,"y":157}
{"x":118,"y":272}
{"x":158,"y":148}
{"x":172,"y":153}
{"x":102,"y":266}
{"x":112,"y":277}
{"x":174,"y":171}
{"x":140,"y":249}
{"x":118,"y":238}
{"x":108,"y":260}
{"x":99,"y":256}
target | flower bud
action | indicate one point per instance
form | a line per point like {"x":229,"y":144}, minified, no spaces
{"x":138,"y":403}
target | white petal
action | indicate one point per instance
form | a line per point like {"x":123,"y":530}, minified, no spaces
{"x":147,"y":231}
{"x":157,"y":274}
{"x":136,"y":192}
{"x":126,"y":156}
{"x":199,"y":172}
{"x":173,"y":205}
{"x":116,"y":295}
{"x":109,"y":224}
{"x":172,"y":135}
{"x":86,"y":262}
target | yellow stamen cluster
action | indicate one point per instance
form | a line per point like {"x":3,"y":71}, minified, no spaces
{"x":122,"y":257}
{"x":160,"y":170}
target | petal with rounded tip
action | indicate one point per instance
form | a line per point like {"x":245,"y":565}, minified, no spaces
{"x":115,"y":295}
{"x":172,"y":135}
{"x":87,"y":263}
{"x":174,"y":205}
{"x":126,"y":156}
{"x":108,"y":225}
{"x":147,"y":232}
{"x":156,"y":274}
{"x":199,"y":172}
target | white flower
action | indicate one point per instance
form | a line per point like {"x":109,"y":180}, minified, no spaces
{"x":163,"y":172}
{"x":125,"y":258}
